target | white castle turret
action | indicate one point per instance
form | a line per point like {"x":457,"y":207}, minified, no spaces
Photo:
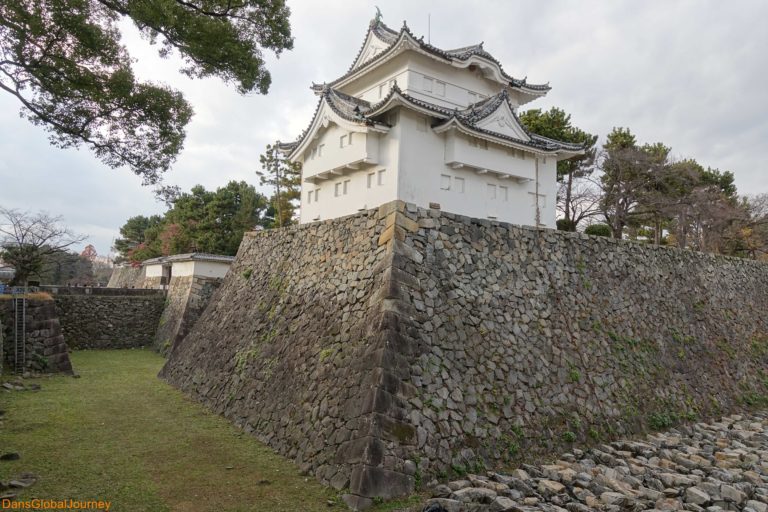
{"x":438,"y":128}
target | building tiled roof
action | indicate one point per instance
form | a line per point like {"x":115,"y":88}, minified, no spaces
{"x":391,"y":37}
{"x":476,"y":112}
{"x":345,"y":106}
{"x":193,"y":256}
{"x":362,"y":112}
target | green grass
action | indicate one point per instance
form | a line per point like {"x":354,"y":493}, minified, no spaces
{"x":119,"y":433}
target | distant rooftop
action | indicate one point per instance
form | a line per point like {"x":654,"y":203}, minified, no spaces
{"x":192,"y":256}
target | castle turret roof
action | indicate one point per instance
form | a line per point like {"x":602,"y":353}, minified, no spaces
{"x":468,"y":120}
{"x":404,"y":39}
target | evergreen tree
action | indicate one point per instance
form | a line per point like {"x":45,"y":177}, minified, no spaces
{"x":198,"y":221}
{"x":556,"y":124}
{"x":284,"y":177}
{"x":64,"y":62}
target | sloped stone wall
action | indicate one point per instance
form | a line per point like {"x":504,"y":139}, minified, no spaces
{"x":294,"y":347}
{"x":103,"y":321}
{"x":126,"y":277}
{"x":46,"y":351}
{"x":187,"y":298}
{"x":403,"y":343}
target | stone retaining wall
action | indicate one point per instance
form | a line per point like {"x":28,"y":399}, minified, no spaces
{"x":126,"y":277}
{"x":46,"y":351}
{"x":102,"y":321}
{"x":87,"y":290}
{"x":399,"y":343}
{"x":187,"y":298}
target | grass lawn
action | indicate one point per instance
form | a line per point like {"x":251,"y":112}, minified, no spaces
{"x":119,"y":433}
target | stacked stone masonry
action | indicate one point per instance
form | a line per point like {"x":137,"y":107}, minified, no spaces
{"x":45,"y":348}
{"x":104,"y":321}
{"x":126,"y":277}
{"x":187,"y":298}
{"x":400,"y":343}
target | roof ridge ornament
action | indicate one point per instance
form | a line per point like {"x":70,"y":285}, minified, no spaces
{"x":377,"y":17}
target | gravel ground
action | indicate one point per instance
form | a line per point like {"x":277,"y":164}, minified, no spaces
{"x":721,"y":465}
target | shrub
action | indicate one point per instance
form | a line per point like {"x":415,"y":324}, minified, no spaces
{"x":565,"y":225}
{"x":598,"y":230}
{"x":661,"y":420}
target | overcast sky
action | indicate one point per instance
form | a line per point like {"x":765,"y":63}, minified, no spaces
{"x":692,"y":74}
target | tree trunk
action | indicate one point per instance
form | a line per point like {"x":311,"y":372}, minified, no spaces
{"x":567,"y":206}
{"x":278,"y":206}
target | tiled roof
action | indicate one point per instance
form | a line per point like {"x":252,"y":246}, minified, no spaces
{"x":192,"y":256}
{"x":391,"y":38}
{"x":362,"y":112}
{"x":347,"y":107}
{"x":470,"y":116}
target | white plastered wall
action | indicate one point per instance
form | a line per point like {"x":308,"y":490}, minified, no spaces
{"x":424,"y":178}
{"x":355,"y":189}
{"x":199,"y":268}
{"x":450,"y":87}
{"x":153,"y":270}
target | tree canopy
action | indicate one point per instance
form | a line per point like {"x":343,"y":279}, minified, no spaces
{"x":198,"y":221}
{"x":572,"y":202}
{"x":641,"y":192}
{"x":284,"y":177}
{"x":63,"y":61}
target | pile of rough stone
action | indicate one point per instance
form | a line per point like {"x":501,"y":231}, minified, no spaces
{"x":19,"y":385}
{"x":713,"y":466}
{"x":9,"y":489}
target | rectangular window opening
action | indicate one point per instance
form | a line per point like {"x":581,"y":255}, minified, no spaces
{"x":337,"y":190}
{"x":428,"y":84}
{"x":459,"y":185}
{"x":309,"y":196}
{"x":380,"y":177}
{"x":346,"y":186}
{"x":491,"y":191}
{"x":371,"y":177}
{"x":440,"y":88}
{"x":445,"y":182}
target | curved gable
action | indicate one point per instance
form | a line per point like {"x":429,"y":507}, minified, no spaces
{"x":503,"y":120}
{"x":377,"y":41}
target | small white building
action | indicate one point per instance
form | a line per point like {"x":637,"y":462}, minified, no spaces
{"x":6,"y":273}
{"x":438,"y":128}
{"x":162,"y":269}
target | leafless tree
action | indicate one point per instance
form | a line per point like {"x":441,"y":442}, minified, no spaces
{"x":26,"y":239}
{"x":583,"y":202}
